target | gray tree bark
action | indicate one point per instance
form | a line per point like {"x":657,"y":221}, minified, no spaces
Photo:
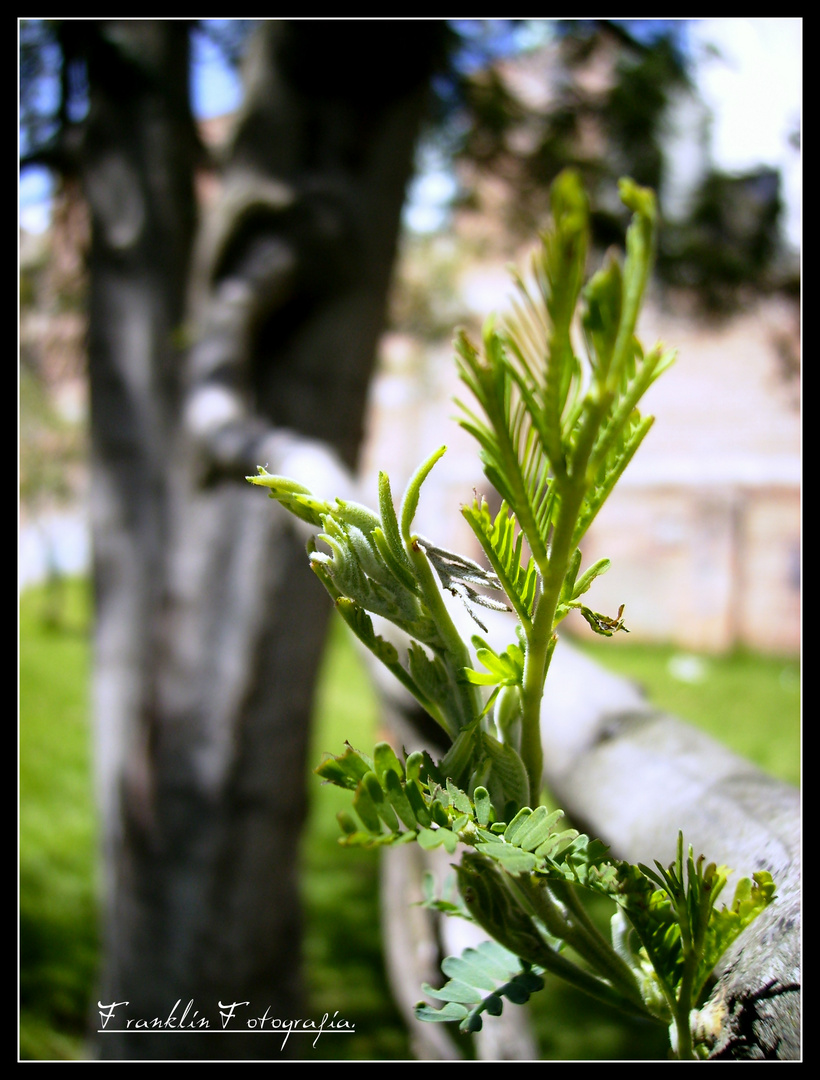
{"x":209,"y":624}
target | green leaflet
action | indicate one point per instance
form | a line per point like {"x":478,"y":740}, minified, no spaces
{"x":505,"y":672}
{"x":604,"y":297}
{"x":506,"y":669}
{"x":411,"y":496}
{"x":529,"y":830}
{"x":483,"y":807}
{"x":586,"y":579}
{"x":457,"y":762}
{"x":387,"y":536}
{"x":345,"y":771}
{"x":503,"y":542}
{"x":433,"y":838}
{"x":727,"y":923}
{"x":478,"y":981}
{"x":366,"y":809}
{"x":507,"y":777}
{"x":385,"y":760}
{"x":294,"y":497}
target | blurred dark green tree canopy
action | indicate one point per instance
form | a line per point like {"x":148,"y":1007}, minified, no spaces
{"x":612,"y":124}
{"x":728,"y":239}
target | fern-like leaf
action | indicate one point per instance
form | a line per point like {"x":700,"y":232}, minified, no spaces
{"x":479,"y":981}
{"x":513,"y":454}
{"x":503,"y":542}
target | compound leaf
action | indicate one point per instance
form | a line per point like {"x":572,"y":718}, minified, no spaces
{"x":481,"y":977}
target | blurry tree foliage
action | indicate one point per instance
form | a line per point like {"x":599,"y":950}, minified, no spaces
{"x":607,"y":114}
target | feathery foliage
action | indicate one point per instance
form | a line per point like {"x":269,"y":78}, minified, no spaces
{"x":555,"y":431}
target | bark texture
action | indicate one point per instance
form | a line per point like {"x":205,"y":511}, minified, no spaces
{"x":209,"y":623}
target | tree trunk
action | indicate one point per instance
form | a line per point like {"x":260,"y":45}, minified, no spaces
{"x":210,"y":625}
{"x":137,"y":167}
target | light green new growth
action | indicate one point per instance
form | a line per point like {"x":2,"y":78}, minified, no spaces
{"x":554,"y":436}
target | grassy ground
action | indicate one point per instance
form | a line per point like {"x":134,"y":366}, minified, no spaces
{"x":58,"y":942}
{"x":751,"y":702}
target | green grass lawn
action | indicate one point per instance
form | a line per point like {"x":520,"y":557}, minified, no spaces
{"x":750,"y":702}
{"x":58,"y":940}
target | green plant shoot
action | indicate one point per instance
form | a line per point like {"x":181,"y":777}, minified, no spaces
{"x":555,"y":431}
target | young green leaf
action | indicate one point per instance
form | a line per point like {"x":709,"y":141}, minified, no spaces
{"x":411,"y":496}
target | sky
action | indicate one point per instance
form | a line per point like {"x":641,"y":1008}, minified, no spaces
{"x":753,"y":87}
{"x":749,"y":75}
{"x":748,"y":71}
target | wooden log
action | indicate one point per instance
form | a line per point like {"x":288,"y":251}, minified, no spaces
{"x":634,"y":777}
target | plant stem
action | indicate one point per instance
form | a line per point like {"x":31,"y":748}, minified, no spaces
{"x":541,"y":641}
{"x":594,"y":944}
{"x":578,"y":932}
{"x":622,"y":996}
